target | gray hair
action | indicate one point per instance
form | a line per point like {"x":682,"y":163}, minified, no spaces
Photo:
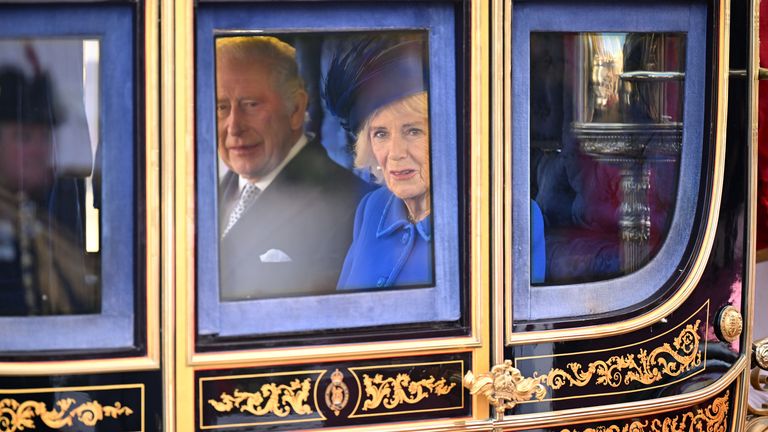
{"x":280,"y":56}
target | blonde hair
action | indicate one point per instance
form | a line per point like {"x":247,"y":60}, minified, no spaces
{"x":280,"y":56}
{"x":417,"y":103}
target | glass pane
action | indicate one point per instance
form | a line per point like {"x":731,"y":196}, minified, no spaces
{"x":606,"y":135}
{"x":49,"y":218}
{"x":324,"y":145}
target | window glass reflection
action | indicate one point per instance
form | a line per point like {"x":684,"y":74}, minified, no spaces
{"x":48,"y":186}
{"x":606,"y":135}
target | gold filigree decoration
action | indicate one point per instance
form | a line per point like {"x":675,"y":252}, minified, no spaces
{"x":399,"y":390}
{"x":646,"y":368}
{"x":278,"y":399}
{"x":710,"y":419}
{"x":19,"y":416}
{"x":504,"y":386}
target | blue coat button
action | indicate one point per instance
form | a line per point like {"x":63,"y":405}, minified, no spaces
{"x":405,"y":238}
{"x":381,"y":281}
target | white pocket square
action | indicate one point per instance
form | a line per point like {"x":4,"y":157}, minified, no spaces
{"x":274,"y":256}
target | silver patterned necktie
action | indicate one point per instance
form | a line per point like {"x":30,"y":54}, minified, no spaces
{"x":248,"y":194}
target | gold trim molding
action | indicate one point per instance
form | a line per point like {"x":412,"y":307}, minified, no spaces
{"x":277,"y":399}
{"x":504,"y":386}
{"x":392,"y":392}
{"x":713,"y":418}
{"x":18,"y":416}
{"x":646,"y":368}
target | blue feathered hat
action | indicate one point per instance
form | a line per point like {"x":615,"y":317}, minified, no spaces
{"x":375,"y":71}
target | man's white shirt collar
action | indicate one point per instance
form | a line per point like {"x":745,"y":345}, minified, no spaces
{"x":264,"y":183}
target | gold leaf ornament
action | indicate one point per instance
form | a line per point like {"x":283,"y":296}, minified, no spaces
{"x":277,"y":399}
{"x":15,"y":416}
{"x":394,"y":391}
{"x":645,"y":367}
{"x":504,"y":386}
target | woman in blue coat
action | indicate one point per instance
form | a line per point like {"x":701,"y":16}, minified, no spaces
{"x":392,"y":239}
{"x":378,"y":89}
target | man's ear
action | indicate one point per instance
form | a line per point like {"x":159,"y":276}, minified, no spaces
{"x":300,"y":108}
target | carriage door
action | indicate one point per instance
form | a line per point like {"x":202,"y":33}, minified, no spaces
{"x":331,"y":160}
{"x":617,"y":165}
{"x":79,"y":230}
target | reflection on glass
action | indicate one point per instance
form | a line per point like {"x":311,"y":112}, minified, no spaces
{"x":606,"y":134}
{"x":294,"y":218}
{"x":48,"y":193}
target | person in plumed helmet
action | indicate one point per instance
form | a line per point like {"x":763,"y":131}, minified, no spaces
{"x":44,"y":269}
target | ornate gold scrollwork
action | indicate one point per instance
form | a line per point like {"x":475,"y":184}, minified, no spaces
{"x":399,"y":390}
{"x":730,"y":324}
{"x":18,"y":416}
{"x":710,"y":419}
{"x":504,"y":386}
{"x":646,"y":368}
{"x":278,"y":399}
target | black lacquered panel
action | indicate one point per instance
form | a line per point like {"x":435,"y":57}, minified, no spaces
{"x":671,"y":353}
{"x":333,"y":394}
{"x":714,"y":414}
{"x":128,"y":402}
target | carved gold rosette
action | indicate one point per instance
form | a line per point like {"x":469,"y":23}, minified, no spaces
{"x":19,"y":416}
{"x":504,"y":386}
{"x":710,"y":419}
{"x":277,"y":399}
{"x":400,"y":389}
{"x":644,"y":367}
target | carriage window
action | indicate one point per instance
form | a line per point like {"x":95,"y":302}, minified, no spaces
{"x":69,"y":211}
{"x":49,"y":222}
{"x":606,"y":134}
{"x":327,"y":193}
{"x":608,"y":137}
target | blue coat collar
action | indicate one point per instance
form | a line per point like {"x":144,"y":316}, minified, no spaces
{"x":395,"y":216}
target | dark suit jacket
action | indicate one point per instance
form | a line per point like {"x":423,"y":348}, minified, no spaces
{"x":307,"y":213}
